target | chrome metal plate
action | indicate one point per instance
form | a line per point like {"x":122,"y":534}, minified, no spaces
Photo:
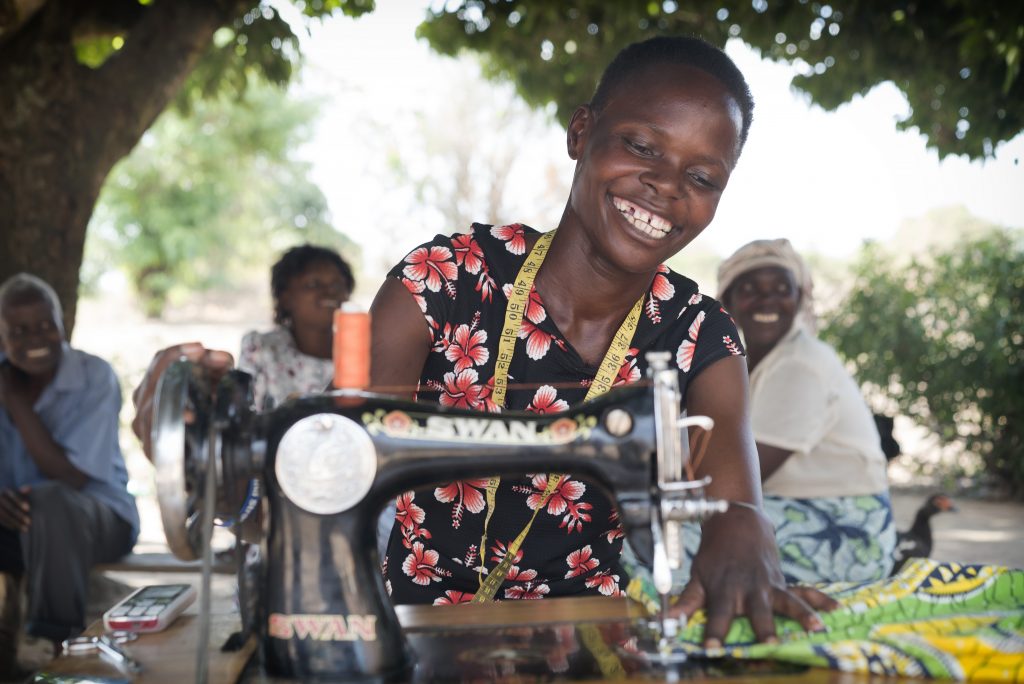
{"x":325,"y":463}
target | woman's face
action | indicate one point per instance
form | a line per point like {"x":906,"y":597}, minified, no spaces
{"x":764,"y":303}
{"x":312,"y":296}
{"x":653,"y":163}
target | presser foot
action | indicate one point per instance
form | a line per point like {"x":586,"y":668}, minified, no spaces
{"x":656,"y":646}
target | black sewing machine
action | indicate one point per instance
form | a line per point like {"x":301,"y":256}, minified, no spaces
{"x":320,"y":468}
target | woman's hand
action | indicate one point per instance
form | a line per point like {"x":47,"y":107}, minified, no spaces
{"x":214,"y":362}
{"x":736,"y":573}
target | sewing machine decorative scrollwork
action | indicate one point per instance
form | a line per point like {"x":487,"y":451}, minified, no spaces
{"x":321,"y":468}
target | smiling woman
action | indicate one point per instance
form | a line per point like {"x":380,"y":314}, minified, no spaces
{"x":308,"y":283}
{"x":821,"y":460}
{"x":654,"y":150}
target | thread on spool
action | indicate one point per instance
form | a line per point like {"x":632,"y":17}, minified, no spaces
{"x":351,"y":348}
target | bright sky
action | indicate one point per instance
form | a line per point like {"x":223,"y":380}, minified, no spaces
{"x":826,"y":180}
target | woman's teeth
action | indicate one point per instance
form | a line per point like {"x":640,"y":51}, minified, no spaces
{"x":766,"y":318}
{"x":37,"y":353}
{"x":647,"y":223}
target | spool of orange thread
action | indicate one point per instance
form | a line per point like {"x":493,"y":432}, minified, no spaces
{"x":351,"y":349}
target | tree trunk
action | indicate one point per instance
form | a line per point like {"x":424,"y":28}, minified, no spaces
{"x":63,"y":125}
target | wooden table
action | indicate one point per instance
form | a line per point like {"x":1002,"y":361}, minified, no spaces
{"x":514,"y":641}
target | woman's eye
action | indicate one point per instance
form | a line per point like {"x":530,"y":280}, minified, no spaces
{"x":638,"y":147}
{"x":703,"y":181}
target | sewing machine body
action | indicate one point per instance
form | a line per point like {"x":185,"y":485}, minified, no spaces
{"x":327,"y":607}
{"x":328,"y":464}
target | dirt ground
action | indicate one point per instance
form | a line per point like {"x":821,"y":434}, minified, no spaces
{"x":979,"y":531}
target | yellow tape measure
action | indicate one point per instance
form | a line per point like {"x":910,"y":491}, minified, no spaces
{"x":603,"y":381}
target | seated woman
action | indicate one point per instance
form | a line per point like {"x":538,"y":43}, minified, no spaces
{"x":822,"y":467}
{"x":307,"y":283}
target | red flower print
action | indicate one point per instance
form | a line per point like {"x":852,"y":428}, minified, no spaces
{"x":661,"y":291}
{"x":499,"y":550}
{"x":461,"y":391}
{"x":514,"y":574}
{"x":546,"y":401}
{"x":452,"y":597}
{"x":416,"y":287}
{"x":684,"y":355}
{"x":432,"y":266}
{"x":535,"y":311}
{"x":409,"y":516}
{"x":537,"y":341}
{"x":467,"y":347}
{"x":421,"y":565}
{"x":628,"y":371}
{"x":580,"y":562}
{"x":485,"y":286}
{"x":567,"y":490}
{"x":468,"y":253}
{"x":606,"y":583}
{"x":513,"y":235}
{"x":528,"y":591}
{"x":695,"y":298}
{"x":576,"y":514}
{"x":616,"y":531}
{"x":662,"y":288}
{"x":466,"y":495}
{"x":731,"y":345}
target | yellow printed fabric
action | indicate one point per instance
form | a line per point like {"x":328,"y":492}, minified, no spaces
{"x":937,"y":620}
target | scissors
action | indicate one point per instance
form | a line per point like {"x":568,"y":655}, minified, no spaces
{"x":109,"y":645}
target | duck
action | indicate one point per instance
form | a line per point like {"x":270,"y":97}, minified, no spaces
{"x":916,"y":542}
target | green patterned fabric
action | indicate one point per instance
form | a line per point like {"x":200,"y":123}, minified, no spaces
{"x":844,"y":538}
{"x":939,"y":620}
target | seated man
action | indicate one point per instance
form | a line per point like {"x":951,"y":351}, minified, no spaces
{"x":64,"y":505}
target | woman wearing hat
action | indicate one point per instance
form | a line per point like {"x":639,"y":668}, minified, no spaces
{"x":822,"y":467}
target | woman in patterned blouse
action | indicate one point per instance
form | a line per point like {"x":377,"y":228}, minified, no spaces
{"x":307,"y":283}
{"x":654,"y":150}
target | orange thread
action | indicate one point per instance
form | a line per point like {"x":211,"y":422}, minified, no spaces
{"x":351,"y":349}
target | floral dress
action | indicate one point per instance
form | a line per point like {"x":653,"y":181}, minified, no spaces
{"x":461,"y":283}
{"x":280,"y":371}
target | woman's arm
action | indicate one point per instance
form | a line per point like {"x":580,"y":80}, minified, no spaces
{"x":736,"y":570}
{"x":400,"y":340}
{"x":771,"y":458}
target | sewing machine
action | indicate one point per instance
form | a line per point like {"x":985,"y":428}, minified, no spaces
{"x":320,"y":468}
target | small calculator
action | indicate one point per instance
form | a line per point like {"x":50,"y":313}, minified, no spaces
{"x":150,"y":608}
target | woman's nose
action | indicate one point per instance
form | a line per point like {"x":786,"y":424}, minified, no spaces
{"x":664,"y":180}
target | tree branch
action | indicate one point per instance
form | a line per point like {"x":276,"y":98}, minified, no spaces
{"x":169,"y":39}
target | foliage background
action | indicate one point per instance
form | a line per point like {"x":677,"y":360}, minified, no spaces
{"x":940,"y":335}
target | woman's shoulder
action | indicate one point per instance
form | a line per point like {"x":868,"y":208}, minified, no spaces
{"x":275,"y":338}
{"x":681,"y":299}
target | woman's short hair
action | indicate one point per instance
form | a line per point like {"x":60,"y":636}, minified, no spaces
{"x":294,"y":262}
{"x":25,"y":287}
{"x":681,"y":50}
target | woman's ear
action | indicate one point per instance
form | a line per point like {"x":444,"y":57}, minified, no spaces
{"x":576,"y":133}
